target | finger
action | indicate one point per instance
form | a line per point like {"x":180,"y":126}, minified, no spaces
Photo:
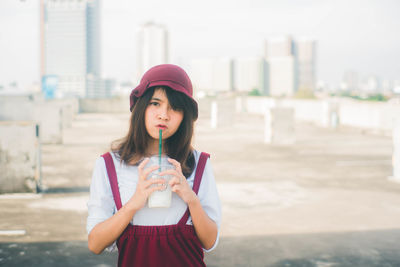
{"x":175,"y":181}
{"x":144,"y":173}
{"x":156,"y":188}
{"x":159,"y":184}
{"x":176,"y":188}
{"x":172,"y":172}
{"x":150,"y":182}
{"x":176,"y":164}
{"x":142,"y":164}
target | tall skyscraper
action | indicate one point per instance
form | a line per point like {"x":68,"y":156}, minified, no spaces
{"x":251,"y":74}
{"x":350,"y":81}
{"x":282,"y":65}
{"x":371,"y":84}
{"x":151,"y":47}
{"x":305,"y":51}
{"x":70,"y":48}
{"x":282,"y":46}
{"x":211,"y":75}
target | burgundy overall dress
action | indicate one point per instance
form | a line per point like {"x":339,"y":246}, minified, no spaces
{"x":158,"y":246}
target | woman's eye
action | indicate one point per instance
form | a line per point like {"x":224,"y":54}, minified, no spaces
{"x":154,"y":103}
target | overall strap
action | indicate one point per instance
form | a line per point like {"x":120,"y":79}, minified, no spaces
{"x":112,"y":176}
{"x":196,"y":183}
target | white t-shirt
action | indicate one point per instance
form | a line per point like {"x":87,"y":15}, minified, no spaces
{"x":101,"y":205}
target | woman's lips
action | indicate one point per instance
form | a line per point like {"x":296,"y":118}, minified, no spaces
{"x":162,"y":127}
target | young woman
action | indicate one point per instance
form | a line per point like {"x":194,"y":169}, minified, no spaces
{"x":117,"y":209}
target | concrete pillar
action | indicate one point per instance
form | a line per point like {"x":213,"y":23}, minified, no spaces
{"x":239,"y":107}
{"x":52,"y":116}
{"x":70,"y":108}
{"x":325,"y":114}
{"x":222,"y":113}
{"x":396,"y":152}
{"x":334,"y":120}
{"x":49,"y":117}
{"x":268,"y":126}
{"x":279,"y":126}
{"x":18,"y":156}
{"x":329,"y":114}
{"x":214,"y":114}
{"x":67,"y":116}
{"x":16,"y":108}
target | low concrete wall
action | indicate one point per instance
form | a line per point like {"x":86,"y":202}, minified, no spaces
{"x":16,"y":108}
{"x":53,"y":115}
{"x":307,"y":110}
{"x":49,"y":118}
{"x":372,"y":116}
{"x":379,"y":116}
{"x":18,"y":156}
{"x":257,"y":105}
{"x":106,"y":105}
{"x":222,"y":113}
{"x":279,"y":126}
{"x":70,"y":108}
{"x":396,"y":151}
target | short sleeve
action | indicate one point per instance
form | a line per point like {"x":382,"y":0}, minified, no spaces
{"x":101,"y":202}
{"x":209,"y":199}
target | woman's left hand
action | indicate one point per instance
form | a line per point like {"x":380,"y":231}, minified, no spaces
{"x":179,"y":184}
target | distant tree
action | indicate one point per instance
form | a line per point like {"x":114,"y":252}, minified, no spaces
{"x":377,"y":97}
{"x":364,"y":97}
{"x":255,"y":92}
{"x":304,"y":93}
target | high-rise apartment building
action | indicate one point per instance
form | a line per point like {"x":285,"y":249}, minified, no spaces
{"x":282,"y":46}
{"x":70,"y":47}
{"x":151,"y":47}
{"x":282,"y":65}
{"x":371,"y":84}
{"x":251,"y":75}
{"x":211,"y":75}
{"x":350,"y":81}
{"x":305,"y":51}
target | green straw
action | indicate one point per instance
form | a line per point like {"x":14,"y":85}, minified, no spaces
{"x":159,"y":149}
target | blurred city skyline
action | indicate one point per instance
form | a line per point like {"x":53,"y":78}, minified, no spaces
{"x":357,"y":36}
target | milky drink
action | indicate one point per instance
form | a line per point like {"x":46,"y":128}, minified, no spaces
{"x":160,"y":198}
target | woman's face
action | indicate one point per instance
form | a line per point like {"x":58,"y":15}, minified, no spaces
{"x":160,"y":115}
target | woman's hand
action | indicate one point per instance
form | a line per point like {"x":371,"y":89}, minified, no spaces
{"x":179,"y":184}
{"x":143,"y":187}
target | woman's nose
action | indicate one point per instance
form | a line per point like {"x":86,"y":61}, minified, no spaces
{"x":163,"y":114}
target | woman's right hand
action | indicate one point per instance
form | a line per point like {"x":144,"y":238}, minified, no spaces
{"x":143,"y":187}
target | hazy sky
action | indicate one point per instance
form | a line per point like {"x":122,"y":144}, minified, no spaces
{"x":351,"y":34}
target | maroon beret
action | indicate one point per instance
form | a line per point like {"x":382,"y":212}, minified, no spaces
{"x":168,"y":75}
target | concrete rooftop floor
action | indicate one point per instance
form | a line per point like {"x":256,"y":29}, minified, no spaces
{"x":324,"y":201}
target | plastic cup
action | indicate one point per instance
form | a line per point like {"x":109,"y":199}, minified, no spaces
{"x":160,"y":198}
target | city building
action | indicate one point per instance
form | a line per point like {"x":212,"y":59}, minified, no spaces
{"x":350,"y":81}
{"x":371,"y":84}
{"x":211,"y":75}
{"x":279,"y":46}
{"x":152,"y":47}
{"x":70,"y":48}
{"x":282,"y":66}
{"x":110,"y":86}
{"x":305,"y":51}
{"x":396,"y":86}
{"x":251,"y":75}
{"x":387,"y":86}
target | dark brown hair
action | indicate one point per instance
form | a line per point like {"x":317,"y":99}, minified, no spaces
{"x":131,"y":149}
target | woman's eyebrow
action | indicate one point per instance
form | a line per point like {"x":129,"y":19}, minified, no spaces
{"x":157,"y":99}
